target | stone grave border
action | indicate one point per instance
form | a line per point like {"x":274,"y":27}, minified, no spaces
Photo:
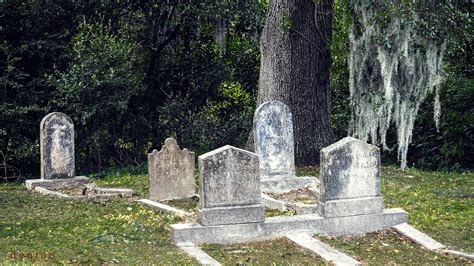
{"x":429,"y":243}
{"x":47,"y":186}
{"x":164,"y":207}
{"x":299,"y":208}
{"x":282,"y":225}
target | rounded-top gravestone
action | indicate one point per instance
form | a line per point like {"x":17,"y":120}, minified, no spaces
{"x":274,"y":141}
{"x":57,"y":146}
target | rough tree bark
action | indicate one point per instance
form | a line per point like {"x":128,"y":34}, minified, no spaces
{"x":295,"y":65}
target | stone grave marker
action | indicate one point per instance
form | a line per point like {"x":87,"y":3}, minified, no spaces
{"x":274,"y":142}
{"x":171,"y":172}
{"x":230,"y":187}
{"x":350,"y":179}
{"x":57,"y":146}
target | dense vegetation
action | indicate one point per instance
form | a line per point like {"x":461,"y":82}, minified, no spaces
{"x":132,"y":73}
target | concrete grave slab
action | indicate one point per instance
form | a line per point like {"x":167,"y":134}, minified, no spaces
{"x":429,"y":243}
{"x":282,"y":225}
{"x":57,"y":183}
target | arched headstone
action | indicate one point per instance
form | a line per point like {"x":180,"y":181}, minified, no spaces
{"x":274,"y":140}
{"x":57,"y":146}
{"x":274,"y":143}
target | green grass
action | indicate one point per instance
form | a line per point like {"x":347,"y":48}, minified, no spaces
{"x":387,"y":248}
{"x":439,"y":204}
{"x":118,"y":231}
{"x":187,"y":204}
{"x":275,"y":252}
{"x":113,"y":231}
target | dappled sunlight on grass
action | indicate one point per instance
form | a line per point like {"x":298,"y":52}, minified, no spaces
{"x":118,"y":231}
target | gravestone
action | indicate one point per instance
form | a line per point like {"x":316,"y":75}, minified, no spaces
{"x":274,"y":143}
{"x":350,"y":179}
{"x":171,"y":172}
{"x":274,"y":140}
{"x":57,"y":146}
{"x":230,"y":187}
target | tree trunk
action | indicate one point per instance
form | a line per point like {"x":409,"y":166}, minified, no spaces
{"x":295,"y":66}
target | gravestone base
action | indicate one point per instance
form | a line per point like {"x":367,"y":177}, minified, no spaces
{"x":59,"y":183}
{"x":280,"y":226}
{"x":350,"y":207}
{"x":231,"y":215}
{"x":286,"y":184}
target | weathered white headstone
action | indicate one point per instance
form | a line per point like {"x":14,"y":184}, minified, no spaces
{"x":274,"y":140}
{"x":57,"y":146}
{"x":350,"y":179}
{"x":230,"y":187}
{"x":171,"y":172}
{"x":274,"y":143}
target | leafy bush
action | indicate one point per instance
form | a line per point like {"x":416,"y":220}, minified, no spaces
{"x":96,"y":90}
{"x":452,"y":147}
{"x":226,"y":120}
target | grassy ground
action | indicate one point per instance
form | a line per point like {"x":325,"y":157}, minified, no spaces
{"x":119,"y":231}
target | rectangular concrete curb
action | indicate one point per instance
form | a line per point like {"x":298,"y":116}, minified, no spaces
{"x":231,"y":215}
{"x":326,"y":252}
{"x":124,"y":192}
{"x":197,"y":253}
{"x":57,"y":183}
{"x":286,"y":184}
{"x":282,"y":225}
{"x":418,"y":237}
{"x":459,"y":254}
{"x":348,"y":207}
{"x":45,"y":191}
{"x":274,"y":204}
{"x":163,"y":207}
{"x":281,"y":205}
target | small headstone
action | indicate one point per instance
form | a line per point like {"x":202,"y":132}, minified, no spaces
{"x":230,"y":187}
{"x":57,"y":146}
{"x":171,"y":172}
{"x":350,"y":179}
{"x":274,"y":140}
{"x":274,"y":143}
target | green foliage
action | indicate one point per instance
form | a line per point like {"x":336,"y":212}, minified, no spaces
{"x":34,"y":37}
{"x":130,"y":74}
{"x":228,"y":119}
{"x":451,"y":146}
{"x":96,"y":90}
{"x":340,"y":108}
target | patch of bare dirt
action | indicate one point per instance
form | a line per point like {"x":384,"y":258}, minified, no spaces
{"x":303,"y":195}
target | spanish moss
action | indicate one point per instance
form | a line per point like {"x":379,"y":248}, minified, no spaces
{"x":392,"y":69}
